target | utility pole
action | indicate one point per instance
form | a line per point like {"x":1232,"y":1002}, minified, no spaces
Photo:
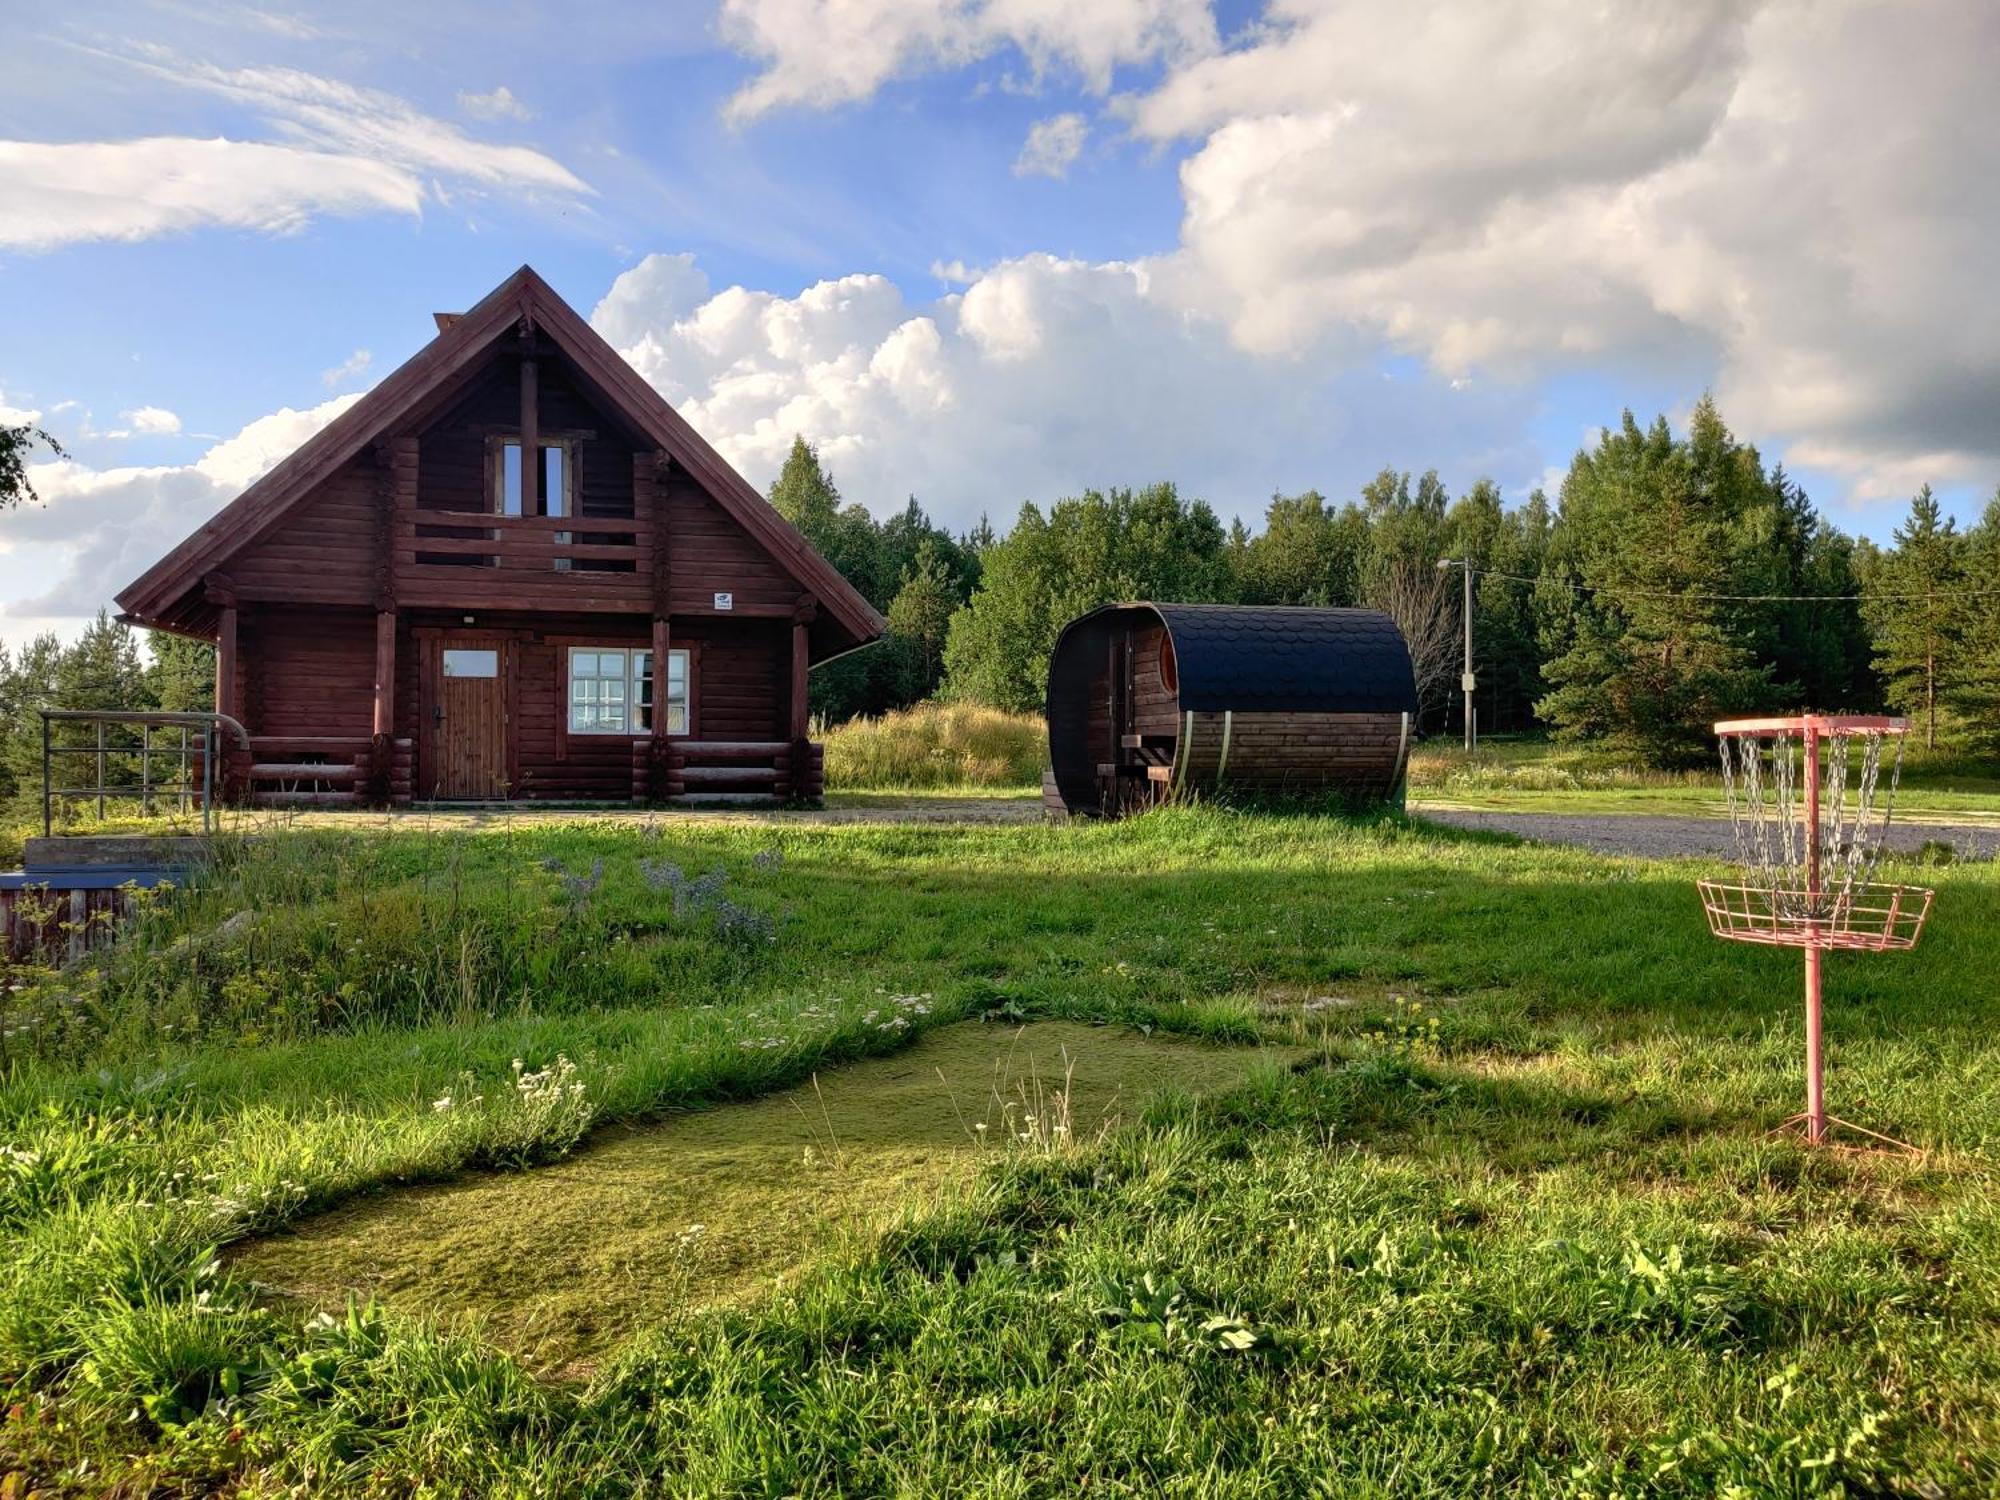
{"x":1467,"y":681}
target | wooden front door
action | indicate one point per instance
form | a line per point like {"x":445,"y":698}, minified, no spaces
{"x":468,"y":717}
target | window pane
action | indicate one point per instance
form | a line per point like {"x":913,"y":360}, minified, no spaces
{"x":510,"y":479}
{"x":463,"y":663}
{"x":677,"y":692}
{"x":582,"y":664}
{"x":553,"y":489}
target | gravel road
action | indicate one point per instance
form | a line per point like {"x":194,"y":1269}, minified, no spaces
{"x":1666,"y":837}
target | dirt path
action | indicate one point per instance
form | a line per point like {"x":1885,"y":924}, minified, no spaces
{"x":1669,"y":837}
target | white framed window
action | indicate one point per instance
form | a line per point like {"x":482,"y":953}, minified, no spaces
{"x":611,"y":690}
{"x":556,"y":494}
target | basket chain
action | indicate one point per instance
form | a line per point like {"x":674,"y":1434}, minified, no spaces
{"x":1767,"y":821}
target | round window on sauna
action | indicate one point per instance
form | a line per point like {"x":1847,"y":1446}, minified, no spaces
{"x":1170,"y":672}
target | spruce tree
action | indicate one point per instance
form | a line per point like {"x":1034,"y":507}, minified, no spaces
{"x":1652,"y":529}
{"x":1972,"y":687}
{"x":919,"y":619}
{"x":1917,"y":616}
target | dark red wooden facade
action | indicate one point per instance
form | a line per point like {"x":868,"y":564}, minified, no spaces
{"x":388,"y":627}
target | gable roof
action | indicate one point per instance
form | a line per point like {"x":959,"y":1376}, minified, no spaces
{"x":458,"y":347}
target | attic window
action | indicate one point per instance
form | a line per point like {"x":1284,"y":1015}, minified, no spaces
{"x":552,"y":496}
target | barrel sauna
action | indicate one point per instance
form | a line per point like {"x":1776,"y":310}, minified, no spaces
{"x":1149,"y":702}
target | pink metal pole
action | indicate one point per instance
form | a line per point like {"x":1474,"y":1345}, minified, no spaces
{"x":1815,"y":1064}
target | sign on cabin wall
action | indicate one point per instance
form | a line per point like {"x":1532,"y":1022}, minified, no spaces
{"x":725,"y":601}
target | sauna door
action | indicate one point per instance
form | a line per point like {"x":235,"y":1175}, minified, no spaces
{"x":467,"y":717}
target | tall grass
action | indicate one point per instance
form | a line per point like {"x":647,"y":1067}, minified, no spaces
{"x":937,"y":745}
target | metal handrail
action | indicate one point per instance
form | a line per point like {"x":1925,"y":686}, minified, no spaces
{"x":211,"y":726}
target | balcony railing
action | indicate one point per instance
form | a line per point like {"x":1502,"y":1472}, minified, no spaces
{"x":608,"y":556}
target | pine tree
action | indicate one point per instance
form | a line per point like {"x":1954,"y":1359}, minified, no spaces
{"x":181,"y":676}
{"x":1917,"y":616}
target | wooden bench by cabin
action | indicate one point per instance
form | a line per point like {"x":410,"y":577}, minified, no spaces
{"x":509,"y":571}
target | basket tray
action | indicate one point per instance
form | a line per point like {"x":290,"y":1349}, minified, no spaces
{"x":1864,"y":918}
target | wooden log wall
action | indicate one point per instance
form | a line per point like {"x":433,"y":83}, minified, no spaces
{"x":1296,"y":753}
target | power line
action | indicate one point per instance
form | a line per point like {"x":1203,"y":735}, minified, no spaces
{"x":1856,"y":597}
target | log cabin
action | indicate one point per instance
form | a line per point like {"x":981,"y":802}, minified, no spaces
{"x":1152,"y":702}
{"x":511,"y":570}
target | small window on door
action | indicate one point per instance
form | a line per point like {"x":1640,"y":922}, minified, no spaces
{"x":464,"y":662}
{"x":551,"y":498}
{"x":611,"y":691}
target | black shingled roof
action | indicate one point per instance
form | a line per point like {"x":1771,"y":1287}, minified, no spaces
{"x":1269,"y":659}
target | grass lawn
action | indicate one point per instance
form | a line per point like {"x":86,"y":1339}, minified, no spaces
{"x":1494,"y":1213}
{"x":1529,"y":774}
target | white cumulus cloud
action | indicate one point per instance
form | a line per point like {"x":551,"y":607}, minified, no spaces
{"x":1782,"y":199}
{"x":1791,"y":201}
{"x":1042,"y":378}
{"x":98,"y":529}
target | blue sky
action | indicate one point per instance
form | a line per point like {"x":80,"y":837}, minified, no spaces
{"x":995,"y":250}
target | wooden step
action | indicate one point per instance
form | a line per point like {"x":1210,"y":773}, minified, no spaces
{"x":305,"y":799}
{"x":729,"y":775}
{"x":306,"y":771}
{"x":731,"y":755}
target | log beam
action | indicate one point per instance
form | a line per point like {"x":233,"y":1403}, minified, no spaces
{"x":385,"y":673}
{"x":225,"y":664}
{"x":531,"y":434}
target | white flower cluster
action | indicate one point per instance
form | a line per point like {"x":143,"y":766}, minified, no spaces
{"x":901,"y":1009}
{"x":550,"y":1085}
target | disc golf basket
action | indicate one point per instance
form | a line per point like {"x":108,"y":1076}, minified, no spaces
{"x":1809,"y":809}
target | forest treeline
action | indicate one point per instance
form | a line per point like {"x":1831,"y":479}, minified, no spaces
{"x":1673,"y":580}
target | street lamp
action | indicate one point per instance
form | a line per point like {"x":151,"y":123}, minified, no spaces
{"x":1467,"y":681}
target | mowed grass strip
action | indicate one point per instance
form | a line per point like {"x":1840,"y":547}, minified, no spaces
{"x":564,"y":1264}
{"x":1515,"y":1228}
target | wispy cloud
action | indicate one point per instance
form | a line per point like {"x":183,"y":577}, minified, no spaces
{"x":1052,"y":147}
{"x":351,"y":368}
{"x":500,"y":104}
{"x":147,"y":421}
{"x":342,"y":149}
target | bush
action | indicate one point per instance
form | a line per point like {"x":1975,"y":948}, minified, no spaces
{"x":938,"y":745}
